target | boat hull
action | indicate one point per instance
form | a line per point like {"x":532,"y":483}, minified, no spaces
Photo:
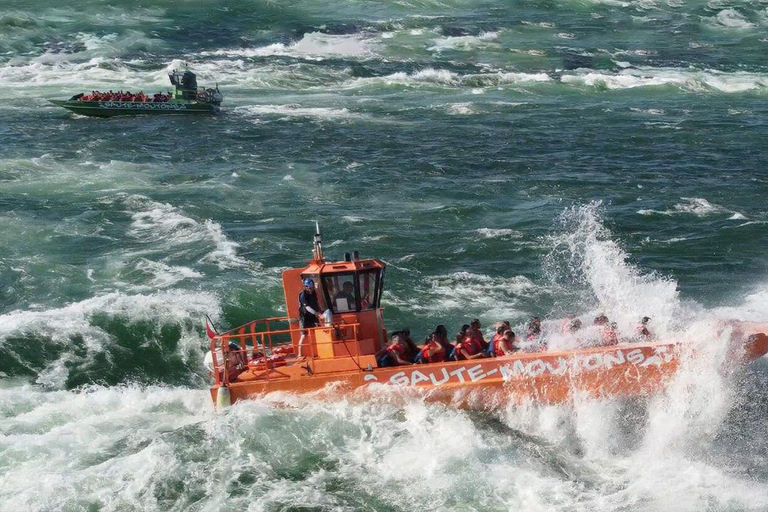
{"x":545,"y":377}
{"x":132,"y":108}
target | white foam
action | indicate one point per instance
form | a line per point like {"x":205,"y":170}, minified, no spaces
{"x":504,"y":233}
{"x":313,"y":44}
{"x":105,"y":446}
{"x":165,"y":225}
{"x":289,"y":111}
{"x":444,"y":77}
{"x":733,"y":19}
{"x":691,"y":80}
{"x":461,"y":109}
{"x":697,"y":206}
{"x":465,"y":43}
{"x":622,"y":80}
{"x":165,"y":276}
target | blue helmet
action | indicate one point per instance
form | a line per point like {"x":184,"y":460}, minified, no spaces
{"x":308,"y":282}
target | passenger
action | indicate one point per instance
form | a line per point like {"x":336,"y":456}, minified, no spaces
{"x":441,"y":334}
{"x":506,"y":345}
{"x":462,"y":333}
{"x":237,"y":361}
{"x":475,"y":332}
{"x":413,"y":349}
{"x":600,"y":319}
{"x":396,"y":353}
{"x":432,"y":351}
{"x":534,"y":329}
{"x":470,"y":347}
{"x":642,"y":330}
{"x":501,"y":328}
{"x":609,"y":336}
{"x":566,"y":325}
{"x":309,"y":311}
{"x":574,"y":326}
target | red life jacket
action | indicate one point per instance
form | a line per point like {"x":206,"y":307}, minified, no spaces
{"x":499,"y":344}
{"x":477,"y":336}
{"x":471,"y":344}
{"x":437,"y":357}
{"x":497,"y":338}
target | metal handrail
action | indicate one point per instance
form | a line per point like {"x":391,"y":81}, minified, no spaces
{"x":221,"y":370}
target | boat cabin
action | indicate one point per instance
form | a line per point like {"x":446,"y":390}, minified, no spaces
{"x":184,"y":84}
{"x":349,"y":292}
{"x":347,"y":339}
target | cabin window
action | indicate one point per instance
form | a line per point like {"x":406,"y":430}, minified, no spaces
{"x":369,"y":289}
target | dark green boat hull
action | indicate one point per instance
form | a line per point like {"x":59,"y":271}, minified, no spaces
{"x":133,"y":108}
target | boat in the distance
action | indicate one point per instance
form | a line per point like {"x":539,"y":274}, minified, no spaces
{"x":341,"y":355}
{"x":184,"y":98}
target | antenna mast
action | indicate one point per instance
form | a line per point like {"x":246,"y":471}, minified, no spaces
{"x":318,"y":242}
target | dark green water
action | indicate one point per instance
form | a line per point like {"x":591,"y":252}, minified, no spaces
{"x":506,"y":159}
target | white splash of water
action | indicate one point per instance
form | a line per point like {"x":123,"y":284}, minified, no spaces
{"x":585,"y":260}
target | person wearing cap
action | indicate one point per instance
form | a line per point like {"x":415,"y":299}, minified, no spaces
{"x":309,"y":310}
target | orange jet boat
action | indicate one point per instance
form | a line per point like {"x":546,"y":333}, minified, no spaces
{"x":265,"y":355}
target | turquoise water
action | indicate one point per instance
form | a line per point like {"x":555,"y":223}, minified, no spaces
{"x":505,"y":159}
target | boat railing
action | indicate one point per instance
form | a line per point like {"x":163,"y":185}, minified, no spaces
{"x":269,"y":346}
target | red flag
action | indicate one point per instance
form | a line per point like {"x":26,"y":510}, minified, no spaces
{"x":209,"y":329}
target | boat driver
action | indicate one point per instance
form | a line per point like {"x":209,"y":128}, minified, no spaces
{"x":347,"y":292}
{"x":309,"y":310}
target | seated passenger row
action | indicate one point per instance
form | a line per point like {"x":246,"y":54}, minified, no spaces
{"x":470,"y":344}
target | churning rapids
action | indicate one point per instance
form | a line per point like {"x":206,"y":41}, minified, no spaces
{"x":505,"y":159}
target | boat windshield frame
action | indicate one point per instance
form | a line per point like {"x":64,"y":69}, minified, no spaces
{"x":332,"y":284}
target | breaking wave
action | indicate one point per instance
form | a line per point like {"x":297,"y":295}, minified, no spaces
{"x":108,"y":338}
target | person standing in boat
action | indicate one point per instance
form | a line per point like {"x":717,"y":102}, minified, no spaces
{"x":309,"y":310}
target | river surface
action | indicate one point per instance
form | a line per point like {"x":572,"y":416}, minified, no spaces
{"x":505,"y":159}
